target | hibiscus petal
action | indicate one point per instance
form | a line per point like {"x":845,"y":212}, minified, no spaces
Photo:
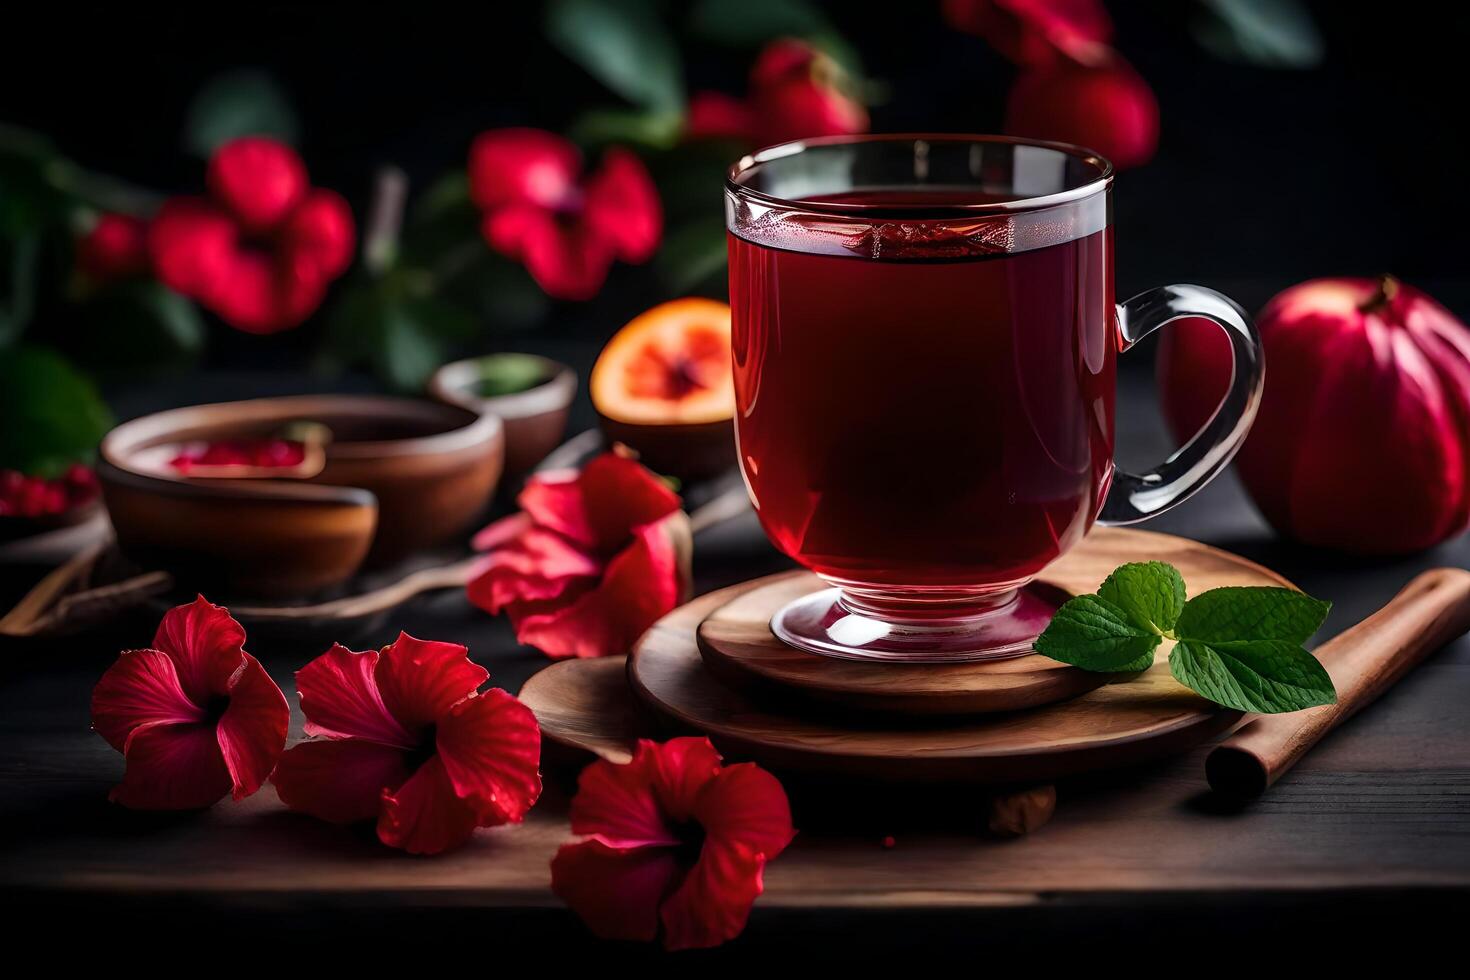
{"x":565,"y":258}
{"x":490,"y":746}
{"x":420,"y":680}
{"x":265,"y":293}
{"x":641,"y":584}
{"x":747,"y":805}
{"x":259,"y":179}
{"x":713,"y":902}
{"x":500,"y":532}
{"x":340,"y":781}
{"x":206,"y":645}
{"x":600,"y":506}
{"x":517,"y":166}
{"x":190,"y":241}
{"x":141,"y":689}
{"x":172,"y":767}
{"x":340,"y":698}
{"x":681,"y":770}
{"x":616,"y":891}
{"x":621,"y":206}
{"x":424,"y":816}
{"x":320,"y":231}
{"x":619,"y":803}
{"x":541,"y":564}
{"x":714,"y":115}
{"x":252,"y":730}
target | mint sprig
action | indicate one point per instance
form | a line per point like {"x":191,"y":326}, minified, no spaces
{"x":1237,"y":646}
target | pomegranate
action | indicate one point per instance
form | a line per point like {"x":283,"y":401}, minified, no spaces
{"x":1362,"y":442}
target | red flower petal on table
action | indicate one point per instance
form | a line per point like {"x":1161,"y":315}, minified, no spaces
{"x":715,"y":115}
{"x":598,"y":507}
{"x":490,"y":746}
{"x":115,"y":248}
{"x":522,"y":166}
{"x":260,"y":181}
{"x":1031,"y":32}
{"x":172,"y":767}
{"x":616,"y":891}
{"x":675,"y":839}
{"x":409,"y":742}
{"x":538,"y":564}
{"x":642,"y":583}
{"x":320,"y":231}
{"x":139,"y":691}
{"x":252,"y":730}
{"x":340,"y":698}
{"x":339,"y":780}
{"x":424,"y":816}
{"x":621,"y":207}
{"x":497,"y":533}
{"x":195,"y":718}
{"x":420,"y":680}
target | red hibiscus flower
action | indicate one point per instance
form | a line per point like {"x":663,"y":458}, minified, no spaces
{"x":195,"y":716}
{"x":1031,"y":32}
{"x":796,"y":92}
{"x":565,"y":227}
{"x":593,"y":559}
{"x":115,"y":248}
{"x":261,"y":250}
{"x":407,"y":738}
{"x":1102,"y":104}
{"x":674,"y":839}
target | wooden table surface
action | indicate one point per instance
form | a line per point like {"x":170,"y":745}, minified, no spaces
{"x":1373,"y":826}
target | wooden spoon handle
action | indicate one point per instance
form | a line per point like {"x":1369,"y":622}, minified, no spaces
{"x":1363,"y":662}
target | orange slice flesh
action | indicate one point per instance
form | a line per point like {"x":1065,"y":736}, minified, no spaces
{"x":668,"y":366}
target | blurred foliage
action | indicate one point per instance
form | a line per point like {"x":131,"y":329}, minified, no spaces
{"x":623,"y":44}
{"x":247,"y":102}
{"x":53,"y":414}
{"x":1268,"y":33}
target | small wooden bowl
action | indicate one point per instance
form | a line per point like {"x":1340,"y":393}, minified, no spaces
{"x":535,"y":419}
{"x":688,"y":450}
{"x":399,"y":475}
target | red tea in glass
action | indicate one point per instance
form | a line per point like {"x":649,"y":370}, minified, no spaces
{"x":925,"y":344}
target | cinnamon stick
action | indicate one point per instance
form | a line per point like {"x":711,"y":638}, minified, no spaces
{"x":1363,"y":662}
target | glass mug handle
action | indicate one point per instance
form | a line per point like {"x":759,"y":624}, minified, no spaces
{"x":1137,"y":497}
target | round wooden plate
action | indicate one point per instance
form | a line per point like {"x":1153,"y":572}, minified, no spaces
{"x":1117,"y":724}
{"x":738,"y":646}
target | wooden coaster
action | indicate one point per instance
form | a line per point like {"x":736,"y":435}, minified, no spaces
{"x":738,"y":646}
{"x":1118,"y":724}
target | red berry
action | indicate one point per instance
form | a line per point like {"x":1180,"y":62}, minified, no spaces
{"x":260,"y":181}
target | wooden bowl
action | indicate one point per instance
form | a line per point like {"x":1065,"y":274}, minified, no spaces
{"x":535,"y":419}
{"x":399,"y":475}
{"x":689,"y":450}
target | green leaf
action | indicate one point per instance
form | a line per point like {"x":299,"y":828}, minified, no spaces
{"x":137,"y":326}
{"x":1150,"y":592}
{"x":753,"y":22}
{"x":1251,"y":613}
{"x":1266,"y":676}
{"x":1092,"y":633}
{"x":19,"y":268}
{"x":53,"y":414}
{"x":652,"y":129}
{"x":1268,"y":33}
{"x":692,"y":255}
{"x":247,"y":102}
{"x":624,"y":45}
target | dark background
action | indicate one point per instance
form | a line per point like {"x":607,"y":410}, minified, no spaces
{"x":1263,"y":177}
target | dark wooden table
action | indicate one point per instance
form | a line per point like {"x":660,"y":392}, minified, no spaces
{"x":1369,"y":835}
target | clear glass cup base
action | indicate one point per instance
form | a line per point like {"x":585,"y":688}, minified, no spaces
{"x":837,"y":624}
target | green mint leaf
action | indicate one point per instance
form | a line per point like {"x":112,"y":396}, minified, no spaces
{"x":1266,"y":676}
{"x":1251,"y":613}
{"x":1150,"y":592}
{"x":1092,"y":633}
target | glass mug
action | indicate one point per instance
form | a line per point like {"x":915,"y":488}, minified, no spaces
{"x":925,"y":344}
